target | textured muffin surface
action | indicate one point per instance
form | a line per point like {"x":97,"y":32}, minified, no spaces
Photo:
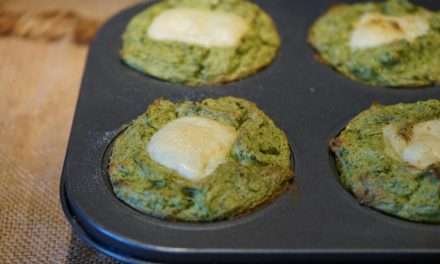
{"x":198,"y":42}
{"x":393,"y":43}
{"x":256,"y":168}
{"x":389,"y":158}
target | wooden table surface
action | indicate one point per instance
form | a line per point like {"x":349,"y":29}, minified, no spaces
{"x":39,"y":84}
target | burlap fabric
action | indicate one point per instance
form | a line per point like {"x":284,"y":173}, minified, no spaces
{"x":39,"y":85}
{"x":32,"y":226}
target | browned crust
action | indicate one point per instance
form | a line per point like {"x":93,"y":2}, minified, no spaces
{"x":434,"y":170}
{"x":335,"y":144}
{"x":363,"y":194}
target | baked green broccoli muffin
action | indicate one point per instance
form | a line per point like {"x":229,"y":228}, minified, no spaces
{"x":200,"y":161}
{"x":196,"y":42}
{"x":389,"y":158}
{"x":393,"y":43}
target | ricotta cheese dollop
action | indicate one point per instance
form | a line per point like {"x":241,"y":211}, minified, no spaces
{"x":200,"y":27}
{"x":423,"y":147}
{"x":192,"y":146}
{"x":374,"y":29}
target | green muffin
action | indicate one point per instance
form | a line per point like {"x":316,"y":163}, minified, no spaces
{"x":389,"y":158}
{"x":255,"y":168}
{"x":197,"y":42}
{"x":393,"y":43}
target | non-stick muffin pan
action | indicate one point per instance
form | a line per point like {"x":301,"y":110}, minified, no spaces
{"x":316,"y":220}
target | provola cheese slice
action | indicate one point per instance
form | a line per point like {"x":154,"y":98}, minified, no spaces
{"x":422,"y":149}
{"x":197,"y":26}
{"x":374,"y":29}
{"x":192,"y":146}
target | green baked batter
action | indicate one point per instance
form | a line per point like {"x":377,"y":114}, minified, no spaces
{"x":257,"y":168}
{"x":192,"y":64}
{"x":375,"y":176}
{"x":396,"y":64}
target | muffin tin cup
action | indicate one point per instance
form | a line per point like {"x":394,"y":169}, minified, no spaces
{"x":316,"y":220}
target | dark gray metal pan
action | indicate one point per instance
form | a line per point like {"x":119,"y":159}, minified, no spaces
{"x":312,"y":103}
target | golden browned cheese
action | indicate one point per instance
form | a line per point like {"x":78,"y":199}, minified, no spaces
{"x":192,"y":146}
{"x":375,"y":29}
{"x":421,"y":148}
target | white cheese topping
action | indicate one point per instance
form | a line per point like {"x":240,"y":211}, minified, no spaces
{"x":200,"y":27}
{"x":375,"y":29}
{"x":192,"y":146}
{"x":422,"y":150}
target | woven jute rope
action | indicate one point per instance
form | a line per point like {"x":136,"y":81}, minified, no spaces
{"x":48,"y":25}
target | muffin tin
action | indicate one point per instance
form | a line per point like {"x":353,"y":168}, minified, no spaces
{"x":317,"y":220}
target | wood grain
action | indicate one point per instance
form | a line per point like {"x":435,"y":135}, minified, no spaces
{"x":39,"y":84}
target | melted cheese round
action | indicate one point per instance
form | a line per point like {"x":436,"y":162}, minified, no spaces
{"x":200,"y":27}
{"x":422,"y":150}
{"x":192,"y":146}
{"x":375,"y":29}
